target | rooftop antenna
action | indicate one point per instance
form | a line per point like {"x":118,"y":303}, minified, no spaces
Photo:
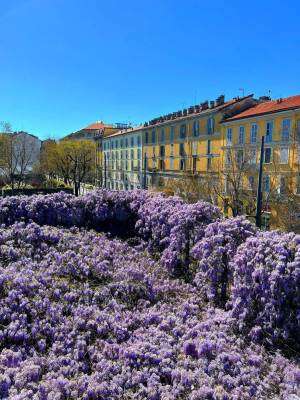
{"x":243,"y":91}
{"x":269,"y":93}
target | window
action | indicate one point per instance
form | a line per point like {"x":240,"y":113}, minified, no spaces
{"x":285,"y":133}
{"x":209,"y":163}
{"x":196,"y":128}
{"x":210,"y":125}
{"x":251,"y":182}
{"x":241,"y":135}
{"x":208,"y":146}
{"x":182,"y":131}
{"x":172,"y":133}
{"x":138,"y":140}
{"x":229,"y":136}
{"x":282,"y":185}
{"x":132,"y":141}
{"x":268,"y":155}
{"x":266,"y":183}
{"x":171,"y":163}
{"x":240,"y":157}
{"x":132,"y":154}
{"x":228,"y":157}
{"x":162,"y":151}
{"x":121,"y":143}
{"x":252,"y":156}
{"x":269,"y":131}
{"x":147,"y":137}
{"x":253,"y":136}
{"x":194,"y":148}
{"x":182,"y":164}
{"x":172,"y":149}
{"x":162,"y":135}
{"x":162,"y":165}
{"x":139,"y":154}
{"x":153,"y":151}
{"x":153,"y":136}
{"x":194,"y":164}
{"x":284,"y":155}
{"x":181,"y":149}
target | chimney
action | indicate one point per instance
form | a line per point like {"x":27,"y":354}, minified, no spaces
{"x":220,"y":100}
{"x":204,"y":105}
{"x":211,"y":104}
{"x":262,"y":99}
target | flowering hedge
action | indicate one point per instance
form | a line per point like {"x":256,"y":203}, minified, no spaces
{"x":266,"y":292}
{"x":86,"y":317}
{"x":214,"y":253}
{"x":166,"y":224}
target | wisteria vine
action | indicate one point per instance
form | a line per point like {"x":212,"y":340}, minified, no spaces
{"x":195,"y":307}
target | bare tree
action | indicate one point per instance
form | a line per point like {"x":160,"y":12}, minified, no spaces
{"x":191,"y":187}
{"x":234,"y":183}
{"x":20,"y":151}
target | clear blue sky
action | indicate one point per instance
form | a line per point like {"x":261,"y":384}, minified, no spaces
{"x":66,"y":63}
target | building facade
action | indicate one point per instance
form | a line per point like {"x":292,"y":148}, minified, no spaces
{"x":121,"y":163}
{"x":279,"y":122}
{"x":204,"y":142}
{"x":187,"y":141}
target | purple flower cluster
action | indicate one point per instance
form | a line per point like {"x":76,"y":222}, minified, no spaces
{"x":84,"y":315}
{"x":166,"y":224}
{"x":87,"y":317}
{"x":214,"y":253}
{"x":266,"y":291}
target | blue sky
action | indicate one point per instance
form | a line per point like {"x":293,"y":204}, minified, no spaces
{"x":66,"y":63}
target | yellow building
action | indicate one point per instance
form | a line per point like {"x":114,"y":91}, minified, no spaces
{"x":187,"y":141}
{"x":279,"y":122}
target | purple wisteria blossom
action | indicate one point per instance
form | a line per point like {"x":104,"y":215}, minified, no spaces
{"x":133,"y":295}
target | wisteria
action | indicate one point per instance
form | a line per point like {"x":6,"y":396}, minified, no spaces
{"x":266,"y":292}
{"x":195,"y":307}
{"x":215,"y":251}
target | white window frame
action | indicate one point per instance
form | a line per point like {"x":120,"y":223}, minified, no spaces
{"x":229,"y":137}
{"x":285,"y":161}
{"x":253,"y":131}
{"x":283,"y":132}
{"x":242,"y":130}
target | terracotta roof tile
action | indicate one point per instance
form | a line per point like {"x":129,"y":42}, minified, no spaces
{"x":269,"y":107}
{"x":96,"y":125}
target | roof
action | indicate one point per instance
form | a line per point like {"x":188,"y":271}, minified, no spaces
{"x":97,"y":125}
{"x":123,"y":131}
{"x":269,"y":107}
{"x":182,"y":118}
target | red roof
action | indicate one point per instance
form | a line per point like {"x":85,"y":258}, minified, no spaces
{"x":95,"y":125}
{"x":271,"y":106}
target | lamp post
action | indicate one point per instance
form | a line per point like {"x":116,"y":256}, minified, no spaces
{"x":145,"y":172}
{"x":259,"y":187}
{"x":105,"y":170}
